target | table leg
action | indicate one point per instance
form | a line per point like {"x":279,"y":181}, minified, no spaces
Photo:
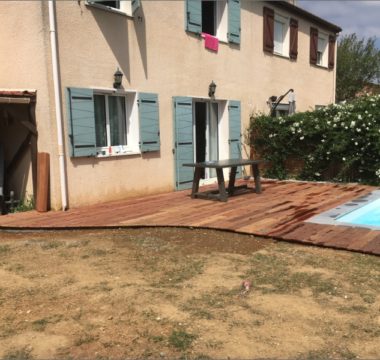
{"x":222,"y":189}
{"x":256,"y":176}
{"x":196,"y":179}
{"x":231,"y":183}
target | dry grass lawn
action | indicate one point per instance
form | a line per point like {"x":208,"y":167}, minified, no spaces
{"x":176,"y":293}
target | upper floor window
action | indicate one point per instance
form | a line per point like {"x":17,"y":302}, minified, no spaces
{"x":209,"y":17}
{"x":280,"y":34}
{"x":220,"y":18}
{"x":127,"y":7}
{"x":322,"y":49}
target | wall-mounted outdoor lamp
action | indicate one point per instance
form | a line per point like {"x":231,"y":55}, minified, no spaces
{"x":118,"y":77}
{"x":211,"y":90}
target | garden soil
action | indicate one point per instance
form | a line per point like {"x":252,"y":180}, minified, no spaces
{"x":183,"y":293}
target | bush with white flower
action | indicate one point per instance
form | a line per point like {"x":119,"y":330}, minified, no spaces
{"x":340,"y":142}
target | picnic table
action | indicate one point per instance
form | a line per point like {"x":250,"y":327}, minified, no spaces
{"x":222,"y":193}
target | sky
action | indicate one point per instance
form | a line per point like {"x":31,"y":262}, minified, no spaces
{"x":353,"y":16}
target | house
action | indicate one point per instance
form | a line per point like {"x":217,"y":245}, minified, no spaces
{"x":61,"y":62}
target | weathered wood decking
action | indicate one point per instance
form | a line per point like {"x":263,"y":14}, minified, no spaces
{"x":278,"y":212}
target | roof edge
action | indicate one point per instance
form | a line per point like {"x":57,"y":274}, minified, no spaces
{"x":305,"y":14}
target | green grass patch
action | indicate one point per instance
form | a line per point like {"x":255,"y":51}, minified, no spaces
{"x":41,"y":324}
{"x":173,"y":272}
{"x":157,"y":338}
{"x":18,"y":354}
{"x":50,"y":245}
{"x":181,"y":340}
{"x":100,"y":287}
{"x":4,"y":249}
{"x":85,"y":339}
{"x":17,"y":268}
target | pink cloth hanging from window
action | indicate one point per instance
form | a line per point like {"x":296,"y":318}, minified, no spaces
{"x":211,"y":42}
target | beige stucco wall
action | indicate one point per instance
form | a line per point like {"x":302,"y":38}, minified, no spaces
{"x":156,"y":55}
{"x":25,"y":64}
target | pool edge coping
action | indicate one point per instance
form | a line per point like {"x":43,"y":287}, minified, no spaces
{"x":330,"y":216}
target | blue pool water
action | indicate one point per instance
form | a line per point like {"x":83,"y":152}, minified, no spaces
{"x":366,"y":215}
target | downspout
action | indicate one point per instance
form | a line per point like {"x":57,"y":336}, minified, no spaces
{"x":58,"y":104}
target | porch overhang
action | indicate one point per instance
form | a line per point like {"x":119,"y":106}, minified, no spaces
{"x":16,"y":96}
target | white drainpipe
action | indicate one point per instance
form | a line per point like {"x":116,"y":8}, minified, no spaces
{"x":58,"y":104}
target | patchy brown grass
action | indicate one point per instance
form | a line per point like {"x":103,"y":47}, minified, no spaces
{"x":171,"y":293}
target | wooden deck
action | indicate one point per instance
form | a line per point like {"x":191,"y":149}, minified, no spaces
{"x":279,"y":212}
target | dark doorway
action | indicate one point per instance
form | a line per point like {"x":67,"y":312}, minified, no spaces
{"x":200,"y":132}
{"x":18,"y":148}
{"x":208,"y":17}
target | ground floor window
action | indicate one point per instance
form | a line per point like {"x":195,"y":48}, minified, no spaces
{"x":110,"y":120}
{"x":106,"y":123}
{"x":282,"y":110}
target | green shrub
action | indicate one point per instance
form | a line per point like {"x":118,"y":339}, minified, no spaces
{"x":340,"y":142}
{"x":26,"y":204}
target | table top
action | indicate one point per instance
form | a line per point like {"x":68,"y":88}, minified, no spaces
{"x":225,"y":163}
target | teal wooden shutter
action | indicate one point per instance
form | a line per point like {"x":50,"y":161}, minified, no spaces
{"x":235,"y":131}
{"x":149,"y":122}
{"x":184,"y":145}
{"x":135,"y":5}
{"x":194,"y":16}
{"x":81,"y":117}
{"x":234,"y":26}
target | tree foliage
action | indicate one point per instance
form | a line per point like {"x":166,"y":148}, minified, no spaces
{"x":340,"y":142}
{"x":358,"y":64}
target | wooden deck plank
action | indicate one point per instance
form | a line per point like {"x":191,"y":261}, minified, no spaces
{"x":279,"y":211}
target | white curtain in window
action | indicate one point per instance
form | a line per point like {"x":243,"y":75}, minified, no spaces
{"x":117,"y":121}
{"x":213,"y":135}
{"x":100,"y":120}
{"x":278,"y":36}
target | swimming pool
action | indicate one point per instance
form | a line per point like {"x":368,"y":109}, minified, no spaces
{"x":361,"y":212}
{"x":366,"y":215}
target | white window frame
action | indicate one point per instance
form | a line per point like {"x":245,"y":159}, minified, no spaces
{"x":285,"y":22}
{"x":323,"y":59}
{"x":124,"y":9}
{"x":131,"y":125}
{"x":222,"y":20}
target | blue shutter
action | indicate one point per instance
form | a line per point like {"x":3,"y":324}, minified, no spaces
{"x":234,"y":21}
{"x":194,"y":16}
{"x":184,"y":146}
{"x":81,"y":117}
{"x":234,"y":139}
{"x":149,"y":122}
{"x":135,"y":5}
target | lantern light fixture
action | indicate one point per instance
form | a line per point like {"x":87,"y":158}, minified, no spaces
{"x":117,"y":77}
{"x":211,"y":90}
